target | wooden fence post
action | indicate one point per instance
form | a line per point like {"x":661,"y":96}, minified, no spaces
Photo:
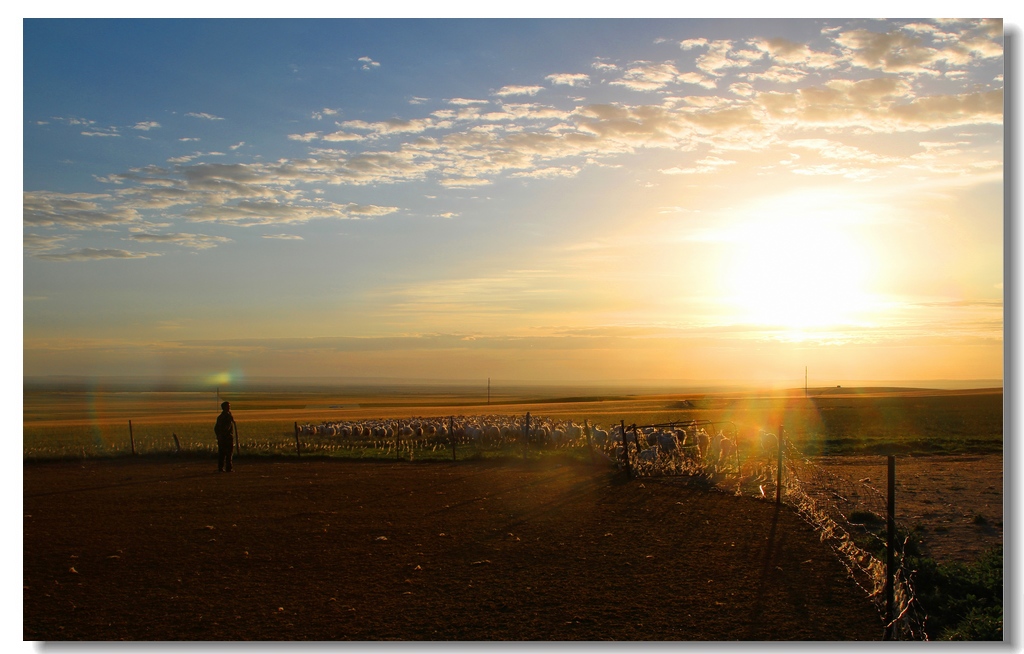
{"x":526,"y":434}
{"x":778,"y":482}
{"x":298,"y":450}
{"x":451,"y":434}
{"x":131,"y":437}
{"x":177,"y":444}
{"x":739,"y":467}
{"x":625,"y":447}
{"x":238,"y":448}
{"x":398,"y":440}
{"x":590,"y":440}
{"x":890,"y":553}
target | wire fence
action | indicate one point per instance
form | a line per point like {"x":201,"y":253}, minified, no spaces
{"x":849,"y":515}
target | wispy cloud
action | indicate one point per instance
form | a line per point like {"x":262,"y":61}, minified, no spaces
{"x":774,"y":94}
{"x":43,"y":243}
{"x":368,"y":63}
{"x":649,"y":76}
{"x":569,"y":79}
{"x":76,"y":210}
{"x":506,"y":91}
{"x":94,"y":254}
{"x":194,"y":241}
{"x":326,"y":111}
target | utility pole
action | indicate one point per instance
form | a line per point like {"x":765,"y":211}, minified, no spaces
{"x":488,"y":391}
{"x":805,"y":381}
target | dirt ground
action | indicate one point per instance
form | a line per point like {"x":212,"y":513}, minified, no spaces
{"x":955,"y":500}
{"x":282,"y":550}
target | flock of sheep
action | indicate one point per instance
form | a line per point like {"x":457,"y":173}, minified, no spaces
{"x":651,"y":449}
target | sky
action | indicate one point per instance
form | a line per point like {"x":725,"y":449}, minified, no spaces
{"x":549,"y":200}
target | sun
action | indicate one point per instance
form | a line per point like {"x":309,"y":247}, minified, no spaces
{"x":799,"y":263}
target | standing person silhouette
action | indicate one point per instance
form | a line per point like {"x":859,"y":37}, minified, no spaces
{"x":225,"y":429}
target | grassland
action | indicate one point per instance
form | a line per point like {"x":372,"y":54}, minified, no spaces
{"x":60,"y":424}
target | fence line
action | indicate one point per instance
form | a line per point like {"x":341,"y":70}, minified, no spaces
{"x":845,"y":513}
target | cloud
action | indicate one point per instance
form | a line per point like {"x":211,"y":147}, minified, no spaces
{"x":391,"y":126}
{"x":835,"y":150}
{"x":776,"y":75}
{"x":464,"y":182}
{"x":948,"y":110}
{"x":185,"y":158}
{"x":883,"y":104}
{"x":195,"y":241}
{"x":643,"y":126}
{"x":569,"y":79}
{"x":253,"y":212}
{"x":147,"y":125}
{"x":418,"y":100}
{"x":203,"y":115}
{"x":40,"y":243}
{"x":93,"y":254}
{"x":343,"y":136}
{"x":893,"y":52}
{"x":647,"y":76}
{"x":709,"y":164}
{"x":690,"y":44}
{"x":527,"y":111}
{"x":742,"y":89}
{"x":318,"y":115}
{"x":549,"y":172}
{"x":77,"y":210}
{"x":73,"y":121}
{"x":368,"y":64}
{"x":240,"y":194}
{"x":506,"y":91}
{"x":236,"y":145}
{"x":602,"y":65}
{"x":698,"y":79}
{"x":474,"y":142}
{"x":284,"y":237}
{"x":723,"y":54}
{"x":917,"y":49}
{"x":792,"y":54}
{"x":109,"y":133}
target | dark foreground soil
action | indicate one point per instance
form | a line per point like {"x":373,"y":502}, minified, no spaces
{"x":328,"y":550}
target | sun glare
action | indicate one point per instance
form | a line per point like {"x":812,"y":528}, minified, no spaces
{"x":219,"y":378}
{"x":799,"y":263}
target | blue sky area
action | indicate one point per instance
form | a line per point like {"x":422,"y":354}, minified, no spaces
{"x":537,"y":200}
